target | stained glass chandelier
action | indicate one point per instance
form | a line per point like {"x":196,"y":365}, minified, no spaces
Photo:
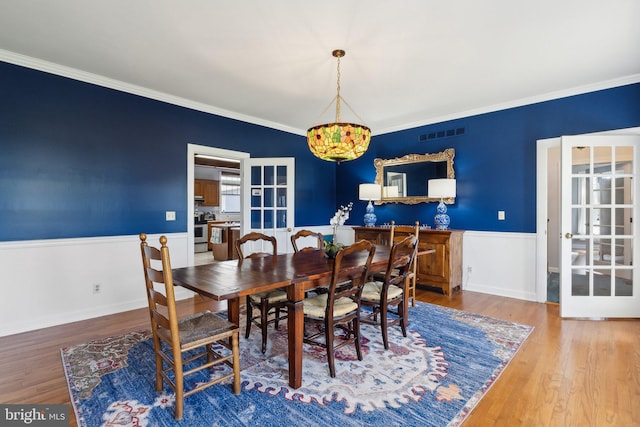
{"x":339,"y":141}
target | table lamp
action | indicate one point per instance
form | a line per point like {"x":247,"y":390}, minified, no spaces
{"x":442,"y":189}
{"x":369,"y":192}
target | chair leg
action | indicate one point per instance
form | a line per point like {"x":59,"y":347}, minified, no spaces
{"x":356,"y":336}
{"x":413,"y":283}
{"x":179,"y":381}
{"x":263,"y":323}
{"x":159,"y":367}
{"x":403,"y":318}
{"x":329,"y":344}
{"x":209,"y":349}
{"x":384,"y":325}
{"x":249,"y":316}
{"x":277,"y":320}
{"x":235,"y":349}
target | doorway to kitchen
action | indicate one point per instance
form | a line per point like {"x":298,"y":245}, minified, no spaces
{"x":210,"y":170}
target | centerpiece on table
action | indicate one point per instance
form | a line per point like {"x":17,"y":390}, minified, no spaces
{"x":341,"y":216}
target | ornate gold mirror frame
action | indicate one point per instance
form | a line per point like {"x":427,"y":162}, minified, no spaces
{"x":412,"y":159}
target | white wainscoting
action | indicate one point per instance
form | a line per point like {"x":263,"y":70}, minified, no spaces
{"x":501,"y":264}
{"x":50,"y":282}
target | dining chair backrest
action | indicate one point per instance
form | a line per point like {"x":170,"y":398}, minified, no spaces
{"x":401,"y":258}
{"x":305,"y":235}
{"x":162,"y":303}
{"x":399,"y":232}
{"x":357,"y":275}
{"x":258,"y":239}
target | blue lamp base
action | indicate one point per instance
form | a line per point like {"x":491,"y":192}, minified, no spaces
{"x":370,"y":217}
{"x":441,"y":219}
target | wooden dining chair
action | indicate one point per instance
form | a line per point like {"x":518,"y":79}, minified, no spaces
{"x":397,"y":233}
{"x":272,"y":303}
{"x":304,"y":234}
{"x":179,"y":342}
{"x":382,"y":296}
{"x":339,"y":308}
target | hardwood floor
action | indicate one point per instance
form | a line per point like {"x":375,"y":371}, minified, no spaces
{"x":568,"y":373}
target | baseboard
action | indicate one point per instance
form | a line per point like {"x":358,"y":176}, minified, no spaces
{"x":501,"y":292}
{"x":79,"y":315}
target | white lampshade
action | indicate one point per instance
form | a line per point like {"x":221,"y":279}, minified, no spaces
{"x":442,"y":188}
{"x":390,"y":191}
{"x":369,"y":192}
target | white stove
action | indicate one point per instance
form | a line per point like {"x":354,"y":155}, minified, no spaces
{"x":200,"y":238}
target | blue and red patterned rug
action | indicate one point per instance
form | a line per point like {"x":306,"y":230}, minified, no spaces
{"x":433,"y":377}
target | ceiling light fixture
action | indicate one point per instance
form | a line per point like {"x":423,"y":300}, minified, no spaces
{"x":338,"y":141}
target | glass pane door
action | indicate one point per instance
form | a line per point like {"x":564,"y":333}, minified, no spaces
{"x":599,"y":199}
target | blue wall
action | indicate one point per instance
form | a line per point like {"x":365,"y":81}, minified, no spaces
{"x":79,"y":160}
{"x":495,"y":160}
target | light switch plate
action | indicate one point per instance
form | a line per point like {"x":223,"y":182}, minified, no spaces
{"x":171,"y":215}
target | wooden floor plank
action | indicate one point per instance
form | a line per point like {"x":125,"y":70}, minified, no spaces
{"x":568,"y":373}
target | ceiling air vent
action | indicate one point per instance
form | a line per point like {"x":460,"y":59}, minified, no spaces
{"x":442,"y":134}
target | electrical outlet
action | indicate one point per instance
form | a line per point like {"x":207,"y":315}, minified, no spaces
{"x":170,"y":215}
{"x":469,"y":269}
{"x":500,"y":215}
{"x":97,"y":288}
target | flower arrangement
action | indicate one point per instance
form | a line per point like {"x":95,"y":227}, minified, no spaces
{"x":340,"y":217}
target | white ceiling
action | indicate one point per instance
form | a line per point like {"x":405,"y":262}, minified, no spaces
{"x":407,"y":63}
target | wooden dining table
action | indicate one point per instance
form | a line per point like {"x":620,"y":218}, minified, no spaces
{"x":296,"y":272}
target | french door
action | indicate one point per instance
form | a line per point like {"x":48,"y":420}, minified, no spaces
{"x":599,"y":249}
{"x":268,"y":188}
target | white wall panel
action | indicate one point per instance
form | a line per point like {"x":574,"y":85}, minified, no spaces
{"x":501,"y":264}
{"x":50,"y":282}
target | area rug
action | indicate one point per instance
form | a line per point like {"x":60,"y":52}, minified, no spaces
{"x":433,"y":377}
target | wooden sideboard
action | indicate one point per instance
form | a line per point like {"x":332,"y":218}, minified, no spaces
{"x":441,"y":269}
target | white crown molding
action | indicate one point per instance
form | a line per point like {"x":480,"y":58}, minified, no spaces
{"x":72,"y":73}
{"x":578,"y":90}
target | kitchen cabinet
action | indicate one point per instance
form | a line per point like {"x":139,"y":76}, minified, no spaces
{"x":209,"y":189}
{"x":226,"y":248}
{"x":441,"y":269}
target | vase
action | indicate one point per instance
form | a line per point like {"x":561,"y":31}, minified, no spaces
{"x":441,"y":219}
{"x":331,"y":249}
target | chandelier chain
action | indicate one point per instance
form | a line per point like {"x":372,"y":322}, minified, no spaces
{"x":338,"y":96}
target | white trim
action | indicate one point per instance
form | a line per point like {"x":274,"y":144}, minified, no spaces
{"x":542,"y":208}
{"x":50,"y":282}
{"x":499,"y":263}
{"x":578,"y":90}
{"x":61,"y":70}
{"x":192,"y":150}
{"x":543,"y":145}
{"x":96,"y":79}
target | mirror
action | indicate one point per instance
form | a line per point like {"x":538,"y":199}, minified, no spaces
{"x":404,"y":179}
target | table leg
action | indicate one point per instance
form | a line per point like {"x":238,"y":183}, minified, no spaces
{"x":233,"y":310}
{"x":295,"y":322}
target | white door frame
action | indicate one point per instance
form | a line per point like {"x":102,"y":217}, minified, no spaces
{"x":192,"y":150}
{"x":543,"y":145}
